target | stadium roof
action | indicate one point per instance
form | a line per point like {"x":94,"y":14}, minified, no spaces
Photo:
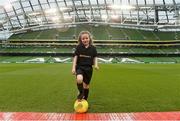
{"x":28,"y":14}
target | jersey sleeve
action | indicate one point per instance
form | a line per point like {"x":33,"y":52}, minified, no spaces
{"x":76,"y":52}
{"x":95,"y":52}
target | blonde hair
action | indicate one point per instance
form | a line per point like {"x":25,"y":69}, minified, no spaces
{"x":85,"y":32}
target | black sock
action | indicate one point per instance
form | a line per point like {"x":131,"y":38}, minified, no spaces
{"x":81,"y":91}
{"x":86,"y":93}
{"x":80,"y":87}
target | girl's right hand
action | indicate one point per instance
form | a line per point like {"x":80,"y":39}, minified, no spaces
{"x":73,"y":71}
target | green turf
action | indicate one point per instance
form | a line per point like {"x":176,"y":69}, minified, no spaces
{"x":114,"y":88}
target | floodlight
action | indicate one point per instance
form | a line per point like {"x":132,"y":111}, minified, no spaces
{"x":121,"y":7}
{"x":55,"y":19}
{"x":127,"y":7}
{"x":67,"y":17}
{"x":114,"y":17}
{"x":104,"y":17}
{"x":38,"y":20}
{"x":51,"y":11}
{"x":144,"y":7}
{"x":7,"y":6}
{"x":34,"y":14}
{"x":63,"y":9}
{"x":1,"y":21}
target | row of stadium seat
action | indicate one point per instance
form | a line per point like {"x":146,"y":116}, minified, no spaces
{"x":99,"y":33}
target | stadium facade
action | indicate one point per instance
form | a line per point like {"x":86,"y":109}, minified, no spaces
{"x":22,"y":15}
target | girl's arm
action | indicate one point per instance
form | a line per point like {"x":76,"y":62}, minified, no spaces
{"x":96,"y":63}
{"x":74,"y":65}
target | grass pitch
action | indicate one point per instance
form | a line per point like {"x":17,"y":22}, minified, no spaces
{"x":114,"y":88}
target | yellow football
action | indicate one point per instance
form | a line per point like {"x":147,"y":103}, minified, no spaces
{"x":81,"y":106}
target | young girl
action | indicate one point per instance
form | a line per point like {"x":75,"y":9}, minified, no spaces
{"x":85,"y":56}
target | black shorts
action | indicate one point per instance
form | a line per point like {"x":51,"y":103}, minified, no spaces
{"x":86,"y":72}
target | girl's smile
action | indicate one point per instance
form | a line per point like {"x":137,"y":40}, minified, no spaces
{"x":85,"y":39}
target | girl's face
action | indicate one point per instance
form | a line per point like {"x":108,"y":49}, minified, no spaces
{"x":85,"y":39}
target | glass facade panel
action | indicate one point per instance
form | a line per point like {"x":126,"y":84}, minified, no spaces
{"x":92,"y":10}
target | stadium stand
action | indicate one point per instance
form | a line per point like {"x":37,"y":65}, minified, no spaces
{"x":111,"y":41}
{"x":99,"y":33}
{"x":41,"y":32}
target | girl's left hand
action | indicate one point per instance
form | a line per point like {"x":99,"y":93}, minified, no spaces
{"x":96,"y":67}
